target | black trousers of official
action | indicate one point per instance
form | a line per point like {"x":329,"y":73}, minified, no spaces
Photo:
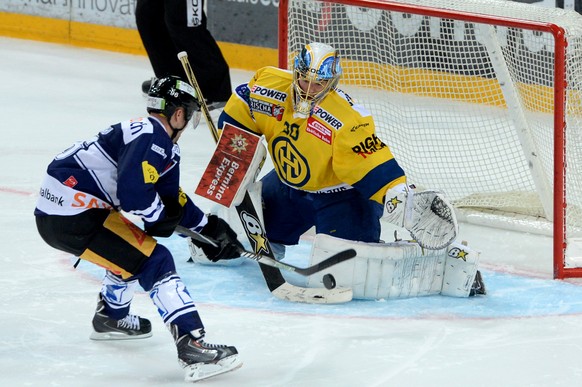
{"x":164,"y":31}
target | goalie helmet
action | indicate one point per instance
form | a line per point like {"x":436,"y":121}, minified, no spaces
{"x":316,"y":71}
{"x":169,"y":93}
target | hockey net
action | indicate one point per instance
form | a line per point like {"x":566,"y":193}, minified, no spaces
{"x":471,"y":100}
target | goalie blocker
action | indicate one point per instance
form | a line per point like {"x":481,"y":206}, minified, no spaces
{"x":399,"y":269}
{"x":235,"y":163}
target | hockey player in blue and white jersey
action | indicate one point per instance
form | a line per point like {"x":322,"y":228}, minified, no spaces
{"x":133,"y":168}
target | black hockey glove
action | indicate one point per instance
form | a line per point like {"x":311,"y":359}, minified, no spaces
{"x":228,"y":244}
{"x":166,"y":226}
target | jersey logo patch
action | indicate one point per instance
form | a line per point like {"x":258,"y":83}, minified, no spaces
{"x":319,"y":130}
{"x":150,"y":174}
{"x":327,"y":117}
{"x":269,"y":93}
{"x":70,"y":182}
{"x":458,"y":253}
{"x":269,"y":109}
{"x":159,"y":150}
{"x":369,"y":146}
{"x":255,"y":232}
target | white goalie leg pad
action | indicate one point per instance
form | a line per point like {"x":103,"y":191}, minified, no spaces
{"x":171,"y":298}
{"x":427,"y":215}
{"x":460,"y":270}
{"x":116,"y":292}
{"x":381,"y":270}
{"x":251,"y":174}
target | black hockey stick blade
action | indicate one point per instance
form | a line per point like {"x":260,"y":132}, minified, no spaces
{"x":307,"y":271}
{"x":196,"y":236}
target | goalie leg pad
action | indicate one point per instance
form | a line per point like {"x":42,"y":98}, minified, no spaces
{"x":252,"y":173}
{"x":381,"y":270}
{"x":460,"y":271}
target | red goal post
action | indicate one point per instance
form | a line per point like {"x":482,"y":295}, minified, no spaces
{"x":472,"y":100}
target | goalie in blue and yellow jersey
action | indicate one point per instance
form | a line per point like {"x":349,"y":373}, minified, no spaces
{"x":331,"y":170}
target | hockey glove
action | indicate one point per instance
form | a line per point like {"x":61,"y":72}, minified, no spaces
{"x":228,"y":244}
{"x":166,"y":226}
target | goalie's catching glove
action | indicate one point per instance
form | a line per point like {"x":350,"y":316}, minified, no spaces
{"x":427,"y":215}
{"x":224,"y":235}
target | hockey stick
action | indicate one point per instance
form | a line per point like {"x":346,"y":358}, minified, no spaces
{"x":307,"y":271}
{"x":275,"y":281}
{"x":183,"y":57}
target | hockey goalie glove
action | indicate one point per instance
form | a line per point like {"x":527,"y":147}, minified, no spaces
{"x":228,"y":244}
{"x":427,"y":215}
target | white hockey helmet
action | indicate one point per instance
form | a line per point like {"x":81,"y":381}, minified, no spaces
{"x":316,"y":71}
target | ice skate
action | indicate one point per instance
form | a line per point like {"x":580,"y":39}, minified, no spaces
{"x":129,"y":328}
{"x":201,"y":360}
{"x":478,"y":287}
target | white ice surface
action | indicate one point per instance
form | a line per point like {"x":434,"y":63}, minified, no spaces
{"x":526,"y":332}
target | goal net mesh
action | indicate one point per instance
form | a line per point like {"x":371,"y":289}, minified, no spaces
{"x":466,"y":106}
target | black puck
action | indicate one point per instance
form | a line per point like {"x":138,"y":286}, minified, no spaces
{"x":329,"y":281}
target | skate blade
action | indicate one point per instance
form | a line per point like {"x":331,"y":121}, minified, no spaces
{"x":109,"y":336}
{"x":201,"y":371}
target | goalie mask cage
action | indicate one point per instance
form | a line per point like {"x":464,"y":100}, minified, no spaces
{"x":471,"y":99}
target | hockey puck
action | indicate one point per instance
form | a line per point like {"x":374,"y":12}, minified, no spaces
{"x":329,"y":281}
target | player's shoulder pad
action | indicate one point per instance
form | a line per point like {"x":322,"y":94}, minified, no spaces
{"x":273,"y":71}
{"x":354,"y":105}
{"x":272,"y":77}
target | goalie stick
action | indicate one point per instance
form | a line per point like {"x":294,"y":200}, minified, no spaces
{"x":336,"y":258}
{"x":276,"y":283}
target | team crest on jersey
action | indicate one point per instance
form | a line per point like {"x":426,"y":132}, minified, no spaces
{"x":269,"y":93}
{"x":327,"y":117}
{"x":269,"y":109}
{"x":150,"y":173}
{"x":319,"y":130}
{"x":458,"y":253}
{"x":291,"y":165}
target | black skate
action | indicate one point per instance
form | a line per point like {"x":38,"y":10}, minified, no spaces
{"x":201,"y":360}
{"x":478,"y":287}
{"x":129,"y":328}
